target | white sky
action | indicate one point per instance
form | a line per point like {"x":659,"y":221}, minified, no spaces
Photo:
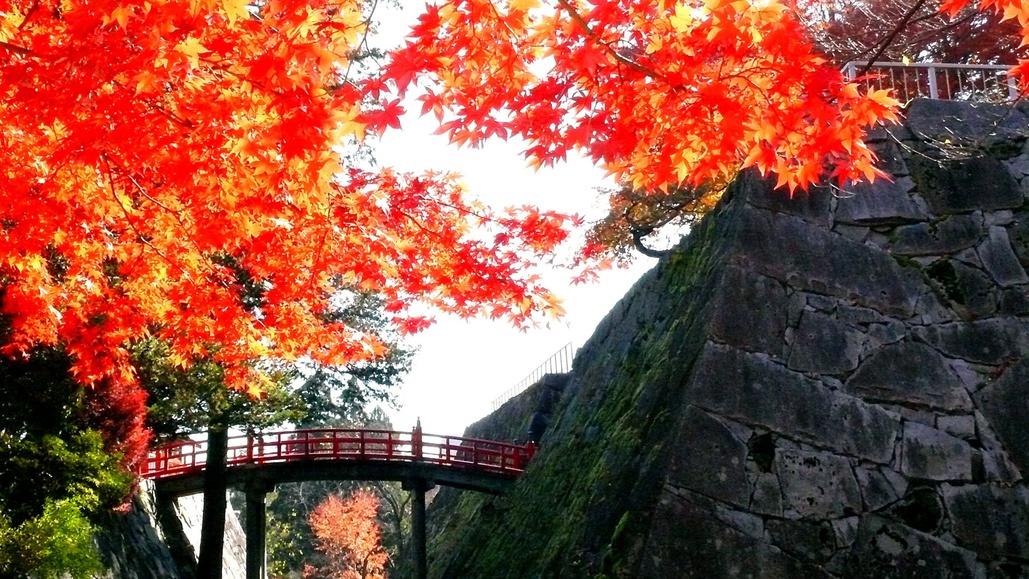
{"x":462,"y":366}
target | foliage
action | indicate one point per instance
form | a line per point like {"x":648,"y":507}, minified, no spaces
{"x":909,"y":29}
{"x":185,"y":400}
{"x":291,"y":541}
{"x":56,"y":543}
{"x":348,"y":537}
{"x":191,"y":141}
{"x":657,"y":92}
{"x":57,"y":469}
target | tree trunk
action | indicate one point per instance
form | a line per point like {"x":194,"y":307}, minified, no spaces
{"x":212,"y":532}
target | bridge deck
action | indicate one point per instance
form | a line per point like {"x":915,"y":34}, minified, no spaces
{"x":336,"y":453}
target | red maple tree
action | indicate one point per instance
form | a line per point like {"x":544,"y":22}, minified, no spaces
{"x":348,"y":537}
{"x":155,"y":155}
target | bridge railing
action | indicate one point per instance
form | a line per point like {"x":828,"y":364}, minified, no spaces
{"x":964,"y":82}
{"x":187,"y":456}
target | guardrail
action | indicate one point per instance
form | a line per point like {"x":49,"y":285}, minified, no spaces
{"x":964,"y":82}
{"x":558,"y":363}
{"x":188,"y":456}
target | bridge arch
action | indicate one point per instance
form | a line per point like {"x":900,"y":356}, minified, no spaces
{"x":256,"y":462}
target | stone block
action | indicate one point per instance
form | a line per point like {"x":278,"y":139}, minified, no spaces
{"x":1005,"y":404}
{"x":1014,"y":302}
{"x":845,"y":530}
{"x":973,"y":291}
{"x":815,"y":542}
{"x":999,"y":258}
{"x":997,"y":463}
{"x":812,"y":206}
{"x":945,"y":236}
{"x":1019,"y":166}
{"x":1002,"y":217}
{"x":891,"y":158}
{"x":960,"y":426}
{"x":885,"y":549}
{"x":687,"y":541}
{"x":876,"y":490}
{"x":931,"y":454}
{"x":747,"y":523}
{"x":961,"y":123}
{"x":817,"y":484}
{"x":888,"y":333}
{"x":823,"y":345}
{"x":755,"y":390}
{"x":993,"y":341}
{"x":812,"y":259}
{"x":1019,"y":236}
{"x":767,"y":497}
{"x":896,"y":480}
{"x":857,"y":316}
{"x":710,"y":460}
{"x":909,"y":373}
{"x":992,"y":520}
{"x":750,"y":312}
{"x":979,"y":183}
{"x":853,"y":232}
{"x":881,"y":202}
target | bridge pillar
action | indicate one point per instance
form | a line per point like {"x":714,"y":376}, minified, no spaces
{"x":418,"y":487}
{"x":256,"y":529}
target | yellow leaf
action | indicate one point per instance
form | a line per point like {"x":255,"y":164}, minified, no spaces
{"x":522,"y":5}
{"x":683,"y":19}
{"x":192,"y":49}
{"x":120,"y":15}
{"x":235,"y":9}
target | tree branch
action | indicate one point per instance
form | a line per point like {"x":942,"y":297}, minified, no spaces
{"x":567,"y":5}
{"x":885,"y":42}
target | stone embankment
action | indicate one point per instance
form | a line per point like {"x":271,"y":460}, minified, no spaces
{"x":160,"y":541}
{"x":833,"y":385}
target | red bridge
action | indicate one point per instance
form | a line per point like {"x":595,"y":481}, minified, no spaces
{"x":257,"y":462}
{"x":342,"y":453}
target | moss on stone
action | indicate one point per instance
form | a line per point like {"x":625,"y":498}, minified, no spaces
{"x":582,"y":509}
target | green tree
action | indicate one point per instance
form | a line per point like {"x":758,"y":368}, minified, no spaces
{"x":57,"y":472}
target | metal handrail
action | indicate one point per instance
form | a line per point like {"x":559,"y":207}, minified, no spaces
{"x":559,"y":362}
{"x":311,"y":444}
{"x":934,"y":80}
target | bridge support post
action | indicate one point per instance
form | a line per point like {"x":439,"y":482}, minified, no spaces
{"x":256,"y":529}
{"x":418,"y":487}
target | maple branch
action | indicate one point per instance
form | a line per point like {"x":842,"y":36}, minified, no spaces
{"x":363,"y":43}
{"x":16,"y":49}
{"x":885,"y":42}
{"x":172,"y":117}
{"x":567,"y":5}
{"x":132,"y":225}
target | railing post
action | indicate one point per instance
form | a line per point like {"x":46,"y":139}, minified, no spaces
{"x":933,"y":92}
{"x":250,"y":446}
{"x":416,"y":441}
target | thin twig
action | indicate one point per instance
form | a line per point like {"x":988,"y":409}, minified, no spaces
{"x":885,"y":42}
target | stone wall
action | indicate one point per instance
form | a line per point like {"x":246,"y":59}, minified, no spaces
{"x":831,"y":385}
{"x":135,"y":545}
